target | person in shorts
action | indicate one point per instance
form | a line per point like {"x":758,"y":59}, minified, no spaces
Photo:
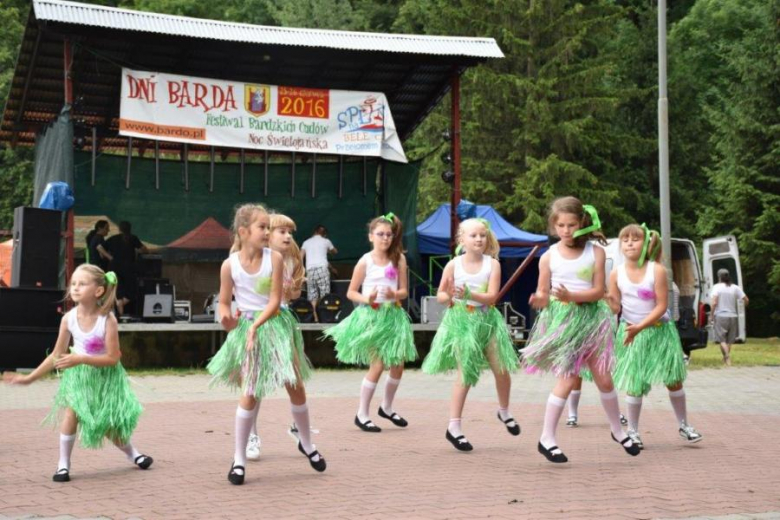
{"x":725,"y":322}
{"x":315,"y":252}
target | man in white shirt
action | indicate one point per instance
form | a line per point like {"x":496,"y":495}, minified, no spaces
{"x":724,"y":296}
{"x":315,"y":254}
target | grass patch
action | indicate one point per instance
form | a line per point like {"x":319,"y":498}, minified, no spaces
{"x":754,"y":352}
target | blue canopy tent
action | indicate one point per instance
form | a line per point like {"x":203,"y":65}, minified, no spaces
{"x":433,"y":239}
{"x":433,"y":235}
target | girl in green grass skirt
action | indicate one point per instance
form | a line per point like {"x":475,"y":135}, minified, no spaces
{"x":94,"y":398}
{"x":472,"y":335}
{"x":378,"y":333}
{"x":648,"y":347}
{"x":575,"y":328}
{"x":257,"y":356}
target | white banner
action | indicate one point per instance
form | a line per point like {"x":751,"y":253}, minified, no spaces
{"x":168,"y":107}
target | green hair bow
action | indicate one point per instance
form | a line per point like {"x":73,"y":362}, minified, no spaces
{"x":110,"y":278}
{"x":595,"y":222}
{"x":647,"y":252}
{"x":390,"y":217}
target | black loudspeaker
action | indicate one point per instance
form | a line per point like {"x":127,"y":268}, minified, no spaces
{"x":36,"y":255}
{"x":149,"y":266}
{"x":303,"y":310}
{"x":340,"y":288}
{"x":31,"y":307}
{"x":29,"y":323}
{"x":330,"y":309}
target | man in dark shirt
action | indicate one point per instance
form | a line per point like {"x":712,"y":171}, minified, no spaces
{"x":124,"y":247}
{"x":97,"y":253}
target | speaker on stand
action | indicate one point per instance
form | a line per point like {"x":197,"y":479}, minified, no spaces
{"x":35,"y":261}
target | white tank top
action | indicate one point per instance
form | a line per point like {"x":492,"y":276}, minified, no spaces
{"x":637,"y":299}
{"x":379,"y":276}
{"x":575,"y":274}
{"x":88,"y":343}
{"x":252,"y":291}
{"x":477,"y":283}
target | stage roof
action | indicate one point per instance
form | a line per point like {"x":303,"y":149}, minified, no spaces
{"x":413,"y":71}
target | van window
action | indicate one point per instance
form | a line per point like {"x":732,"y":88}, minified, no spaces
{"x":725,"y":263}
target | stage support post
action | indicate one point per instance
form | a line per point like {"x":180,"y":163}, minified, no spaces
{"x":455,"y":144}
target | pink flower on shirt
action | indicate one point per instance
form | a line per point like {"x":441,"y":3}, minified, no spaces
{"x":646,"y":294}
{"x":94,"y":345}
{"x":391,"y":273}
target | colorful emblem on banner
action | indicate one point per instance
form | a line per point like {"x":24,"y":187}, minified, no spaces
{"x":257,"y":99}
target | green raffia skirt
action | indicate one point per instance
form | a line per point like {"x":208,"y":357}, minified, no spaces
{"x":655,"y":356}
{"x":102,"y":400}
{"x":382,"y":332}
{"x":566,"y":337}
{"x":269,"y":365}
{"x":463,"y":339}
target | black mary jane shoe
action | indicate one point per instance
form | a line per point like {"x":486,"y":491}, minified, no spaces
{"x":394,"y":418}
{"x":558,"y":458}
{"x":459,"y":442}
{"x":367,"y":426}
{"x":514,"y":430}
{"x":318,"y":465}
{"x":62,"y":475}
{"x":632,"y":450}
{"x":236,"y":478}
{"x":143,"y":461}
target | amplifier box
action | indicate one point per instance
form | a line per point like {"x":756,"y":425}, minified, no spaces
{"x":431,"y":310}
{"x":158,"y":307}
{"x":182,"y":310}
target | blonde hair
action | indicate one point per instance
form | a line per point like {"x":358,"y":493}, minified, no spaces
{"x":107,"y":301}
{"x":573,"y":206}
{"x":492,"y":248}
{"x":294,"y":254}
{"x":396,"y":249}
{"x":245,"y":215}
{"x":654,"y":248}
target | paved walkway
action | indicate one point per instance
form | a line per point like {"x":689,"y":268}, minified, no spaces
{"x":413,"y":473}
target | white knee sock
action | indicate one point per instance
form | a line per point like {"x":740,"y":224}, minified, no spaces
{"x":552,"y":414}
{"x":391,"y":387}
{"x":677,"y":398}
{"x":129,"y":450}
{"x":300,"y":413}
{"x":256,"y":410}
{"x":366,"y":393}
{"x":609,"y":400}
{"x":634,"y":408}
{"x":455,"y":427}
{"x":243,"y":425}
{"x":574,"y":402}
{"x":66,"y":448}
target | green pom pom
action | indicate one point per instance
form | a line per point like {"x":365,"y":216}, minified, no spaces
{"x":263,"y":285}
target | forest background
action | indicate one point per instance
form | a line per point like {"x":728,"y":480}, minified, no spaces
{"x":571,"y":110}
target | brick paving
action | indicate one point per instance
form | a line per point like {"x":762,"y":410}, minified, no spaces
{"x":405,"y":473}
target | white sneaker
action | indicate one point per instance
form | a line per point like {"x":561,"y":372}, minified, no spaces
{"x":689,"y":433}
{"x":253,"y":447}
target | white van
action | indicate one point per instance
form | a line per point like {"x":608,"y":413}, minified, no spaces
{"x":695,"y":283}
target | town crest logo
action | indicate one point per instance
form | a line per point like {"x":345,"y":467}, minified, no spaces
{"x":257,"y":99}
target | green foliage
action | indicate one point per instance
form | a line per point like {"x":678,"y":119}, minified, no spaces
{"x":744,"y":180}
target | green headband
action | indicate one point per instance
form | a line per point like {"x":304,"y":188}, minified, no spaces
{"x":390,"y":217}
{"x":110,"y":278}
{"x":650,"y":253}
{"x":594,"y":217}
